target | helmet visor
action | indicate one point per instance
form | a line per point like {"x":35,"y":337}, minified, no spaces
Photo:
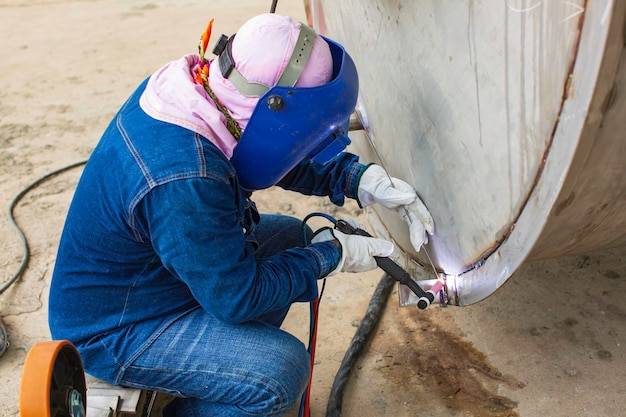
{"x":291,"y":124}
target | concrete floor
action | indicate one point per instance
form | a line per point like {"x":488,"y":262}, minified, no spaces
{"x":550,"y":342}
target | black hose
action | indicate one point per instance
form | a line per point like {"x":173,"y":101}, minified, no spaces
{"x":361,"y":338}
{"x":14,"y":202}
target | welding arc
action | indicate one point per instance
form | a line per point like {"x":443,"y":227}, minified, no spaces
{"x":361,"y":338}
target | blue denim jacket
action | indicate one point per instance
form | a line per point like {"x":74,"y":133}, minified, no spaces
{"x":159,"y":224}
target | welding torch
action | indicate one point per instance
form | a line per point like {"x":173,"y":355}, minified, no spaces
{"x":394,"y":270}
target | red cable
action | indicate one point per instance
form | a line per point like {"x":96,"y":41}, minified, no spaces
{"x":312,"y":342}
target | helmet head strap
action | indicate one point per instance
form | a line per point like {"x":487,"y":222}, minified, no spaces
{"x":289,"y":76}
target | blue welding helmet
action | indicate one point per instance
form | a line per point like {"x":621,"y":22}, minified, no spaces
{"x":291,"y":124}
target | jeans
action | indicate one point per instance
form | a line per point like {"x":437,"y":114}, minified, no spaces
{"x":220,"y":369}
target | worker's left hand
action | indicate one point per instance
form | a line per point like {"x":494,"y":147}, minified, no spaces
{"x":376,"y":186}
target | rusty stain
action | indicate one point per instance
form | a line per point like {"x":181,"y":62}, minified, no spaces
{"x":441,"y":372}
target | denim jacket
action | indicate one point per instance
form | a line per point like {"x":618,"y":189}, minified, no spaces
{"x":159,"y":225}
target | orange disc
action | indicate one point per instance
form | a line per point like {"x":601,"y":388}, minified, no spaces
{"x":53,"y":381}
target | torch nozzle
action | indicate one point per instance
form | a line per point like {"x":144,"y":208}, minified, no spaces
{"x":430,"y":295}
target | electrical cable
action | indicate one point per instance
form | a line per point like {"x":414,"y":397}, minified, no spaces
{"x":359,"y":341}
{"x":273,"y":6}
{"x":304,"y":410}
{"x":393,"y":272}
{"x":21,"y":235}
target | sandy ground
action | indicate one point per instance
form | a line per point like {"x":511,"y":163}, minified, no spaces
{"x":549,"y":343}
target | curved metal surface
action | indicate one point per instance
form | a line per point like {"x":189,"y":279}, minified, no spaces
{"x":507,"y":120}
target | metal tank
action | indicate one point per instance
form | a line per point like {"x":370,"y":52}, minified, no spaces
{"x":509,"y":119}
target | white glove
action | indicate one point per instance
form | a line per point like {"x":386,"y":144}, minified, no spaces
{"x":357,"y":252}
{"x":376,"y":186}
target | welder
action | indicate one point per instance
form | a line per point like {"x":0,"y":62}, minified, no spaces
{"x":167,"y":277}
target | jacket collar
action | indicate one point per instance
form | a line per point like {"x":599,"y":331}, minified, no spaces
{"x":173,"y":96}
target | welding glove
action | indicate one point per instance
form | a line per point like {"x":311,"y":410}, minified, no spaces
{"x":376,"y":186}
{"x":357,"y":252}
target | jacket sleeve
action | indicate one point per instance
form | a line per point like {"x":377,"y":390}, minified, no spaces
{"x":336,"y":179}
{"x":197,"y":233}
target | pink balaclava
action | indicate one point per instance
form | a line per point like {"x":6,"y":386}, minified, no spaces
{"x":261,"y":51}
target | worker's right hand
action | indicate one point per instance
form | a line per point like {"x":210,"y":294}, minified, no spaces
{"x":357,"y":252}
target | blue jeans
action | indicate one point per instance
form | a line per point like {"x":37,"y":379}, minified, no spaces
{"x":220,"y":369}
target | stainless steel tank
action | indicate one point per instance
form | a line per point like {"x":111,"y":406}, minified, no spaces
{"x":508,"y":117}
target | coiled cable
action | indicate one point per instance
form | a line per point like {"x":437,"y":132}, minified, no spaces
{"x":22,"y":237}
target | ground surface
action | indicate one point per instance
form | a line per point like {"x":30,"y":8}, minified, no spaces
{"x":550,"y":343}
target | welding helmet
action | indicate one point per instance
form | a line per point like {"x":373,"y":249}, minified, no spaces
{"x":290,"y":123}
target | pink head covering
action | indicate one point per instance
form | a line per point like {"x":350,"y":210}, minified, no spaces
{"x":261,"y":51}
